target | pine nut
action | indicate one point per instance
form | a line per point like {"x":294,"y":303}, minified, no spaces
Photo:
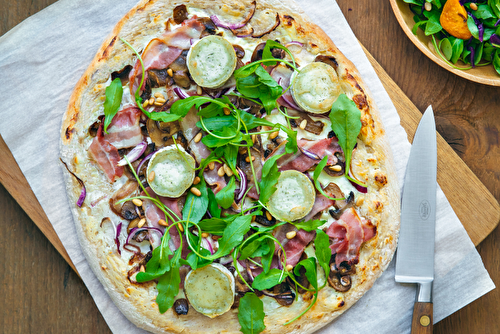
{"x":205,"y":235}
{"x":428,"y":6}
{"x":227,"y":112}
{"x":141,"y":222}
{"x":196,"y":191}
{"x":235,"y":206}
{"x":228,"y":170}
{"x":268,"y":216}
{"x":160,"y":100}
{"x":211,"y":165}
{"x":196,"y":180}
{"x":335,"y":168}
{"x":151,"y":100}
{"x":289,"y":267}
{"x":159,"y":95}
{"x":179,"y":225}
{"x":303,"y":124}
{"x":254,"y":138}
{"x":142,"y":270}
{"x":247,"y":159}
{"x":137,"y":202}
{"x":221,"y":171}
{"x":473,"y":6}
{"x":151,"y":176}
{"x":274,"y":135}
{"x":158,"y":104}
{"x":199,"y":91}
{"x":170,"y":72}
{"x":162,"y":222}
{"x":243,"y":150}
{"x":253,"y":219}
{"x":197,"y":138}
{"x":360,"y":200}
{"x":291,"y":234}
{"x":145,"y":104}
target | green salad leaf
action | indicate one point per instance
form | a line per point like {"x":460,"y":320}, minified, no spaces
{"x":114,"y":93}
{"x":251,"y":314}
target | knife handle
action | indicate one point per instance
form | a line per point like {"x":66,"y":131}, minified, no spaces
{"x":422,"y":318}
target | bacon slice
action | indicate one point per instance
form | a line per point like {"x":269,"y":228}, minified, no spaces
{"x":162,"y":51}
{"x":125,"y":130}
{"x":212,"y":178}
{"x":321,"y":203}
{"x":293,"y":247}
{"x":301,"y":162}
{"x":106,"y":156}
{"x":190,"y":130}
{"x":348,"y":233}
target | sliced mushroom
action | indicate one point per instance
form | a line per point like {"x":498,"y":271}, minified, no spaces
{"x":159,"y":78}
{"x":240,"y":52}
{"x":210,"y":27}
{"x":95,"y":126}
{"x":347,"y":203}
{"x":328,"y":60}
{"x":312,"y":126}
{"x":181,"y":306}
{"x":180,"y":69}
{"x":283,"y":294}
{"x":161,"y":133}
{"x":122,"y":74}
{"x":180,"y":14}
{"x":125,"y":210}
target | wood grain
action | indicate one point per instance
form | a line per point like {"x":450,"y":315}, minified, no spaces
{"x":422,"y":319}
{"x":39,"y":291}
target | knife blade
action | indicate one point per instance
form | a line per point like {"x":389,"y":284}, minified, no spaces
{"x":415,"y":253}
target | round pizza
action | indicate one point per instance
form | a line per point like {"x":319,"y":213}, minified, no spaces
{"x":228,"y":171}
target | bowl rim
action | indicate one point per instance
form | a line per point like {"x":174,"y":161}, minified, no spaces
{"x":479,"y":74}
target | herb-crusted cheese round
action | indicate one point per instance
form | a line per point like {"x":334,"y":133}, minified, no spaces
{"x":210,"y":290}
{"x":173,"y":170}
{"x":294,"y":196}
{"x":316,"y":87}
{"x":211,"y":61}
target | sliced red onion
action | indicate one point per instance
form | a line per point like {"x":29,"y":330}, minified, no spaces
{"x":310,"y":154}
{"x":136,"y":230}
{"x":294,"y":43}
{"x":180,"y":93}
{"x":209,"y":245}
{"x":498,"y":22}
{"x":243,"y":186}
{"x":358,"y":187}
{"x":495,"y":40}
{"x":134,"y":154}
{"x":232,"y":26}
{"x":144,"y":160}
{"x":136,"y":251}
{"x":117,"y":240}
{"x":83,"y":194}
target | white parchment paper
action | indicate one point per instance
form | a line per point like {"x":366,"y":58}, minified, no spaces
{"x":41,"y":60}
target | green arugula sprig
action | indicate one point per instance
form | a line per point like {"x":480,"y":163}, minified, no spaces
{"x":114,"y":93}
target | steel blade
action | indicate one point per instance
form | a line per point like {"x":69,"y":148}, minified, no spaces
{"x":415,"y":254}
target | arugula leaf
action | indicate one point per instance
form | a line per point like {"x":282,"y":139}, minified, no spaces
{"x":182,"y":107}
{"x":270,"y":175}
{"x":346,"y":124}
{"x":266,"y":252}
{"x":230,"y":153}
{"x":323,"y":251}
{"x":255,"y":248}
{"x":252,"y":122}
{"x":267,"y":53}
{"x":218,"y":123}
{"x":268,"y":228}
{"x":291,"y":145}
{"x":317,"y":172}
{"x":114,"y":93}
{"x":268,"y":280}
{"x":251,"y":314}
{"x":213,"y":208}
{"x":225,"y":197}
{"x":233,"y":235}
{"x":194,"y":261}
{"x":309,"y":225}
{"x":196,"y":207}
{"x":228,"y":136}
{"x":157,"y":265}
{"x":168,"y":284}
{"x":311,"y":271}
{"x":215,"y":225}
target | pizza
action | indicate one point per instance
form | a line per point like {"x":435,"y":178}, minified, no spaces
{"x":228,"y":170}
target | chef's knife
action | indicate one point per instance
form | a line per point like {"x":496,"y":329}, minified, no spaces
{"x":415,"y":254}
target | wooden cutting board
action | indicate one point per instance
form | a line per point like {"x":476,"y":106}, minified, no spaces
{"x":453,"y":175}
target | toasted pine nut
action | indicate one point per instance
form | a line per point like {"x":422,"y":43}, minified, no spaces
{"x":141,"y":222}
{"x":428,"y":6}
{"x":199,"y":91}
{"x":227,"y":111}
{"x":274,"y":135}
{"x":145,"y":104}
{"x":211,"y":165}
{"x":142,"y":269}
{"x":220,"y":171}
{"x":254,"y":138}
{"x":158,"y":104}
{"x":196,"y":180}
{"x":151,"y":176}
{"x":291,"y":234}
{"x":159,"y":95}
{"x":179,"y":225}
{"x":137,"y":202}
{"x":170,"y":72}
{"x":205,"y":235}
{"x":289,"y":267}
{"x":303,"y":124}
{"x":235,"y":206}
{"x":151,"y":100}
{"x":268,"y":216}
{"x":473,"y":6}
{"x":197,"y":138}
{"x":360,"y":200}
{"x":243,"y":150}
{"x":228,"y":170}
{"x":335,"y":168}
{"x":162,"y":222}
{"x":247,"y":159}
{"x":160,"y":100}
{"x":196,"y":191}
{"x":253,"y":218}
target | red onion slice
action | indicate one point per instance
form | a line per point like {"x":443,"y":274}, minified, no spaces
{"x":134,"y":154}
{"x":144,"y":160}
{"x":207,"y":241}
{"x":243,"y":186}
{"x":180,"y":93}
{"x":232,"y":26}
{"x":309,"y":154}
{"x":117,"y":240}
{"x":358,"y":187}
{"x":83,"y":194}
{"x":136,"y":230}
{"x":294,"y":43}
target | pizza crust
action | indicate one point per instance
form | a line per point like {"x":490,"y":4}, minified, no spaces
{"x":372,"y":161}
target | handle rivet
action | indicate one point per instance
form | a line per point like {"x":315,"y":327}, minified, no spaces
{"x":425,"y":320}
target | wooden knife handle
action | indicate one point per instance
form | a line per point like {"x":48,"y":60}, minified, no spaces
{"x":422,"y":318}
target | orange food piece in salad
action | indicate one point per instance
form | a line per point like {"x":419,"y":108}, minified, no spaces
{"x":454,"y":19}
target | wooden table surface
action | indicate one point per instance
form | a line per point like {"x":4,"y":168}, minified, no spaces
{"x":41,"y":293}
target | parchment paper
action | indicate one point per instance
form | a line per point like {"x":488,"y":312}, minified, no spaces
{"x":41,"y":60}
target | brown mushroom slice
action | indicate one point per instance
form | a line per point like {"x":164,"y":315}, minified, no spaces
{"x":180,"y":14}
{"x":161,"y":133}
{"x":159,"y":78}
{"x":339,"y":210}
{"x":338,"y":282}
{"x":122,"y":74}
{"x":125,"y":210}
{"x":312,"y":126}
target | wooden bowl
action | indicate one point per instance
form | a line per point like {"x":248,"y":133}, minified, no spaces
{"x":484,"y":74}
